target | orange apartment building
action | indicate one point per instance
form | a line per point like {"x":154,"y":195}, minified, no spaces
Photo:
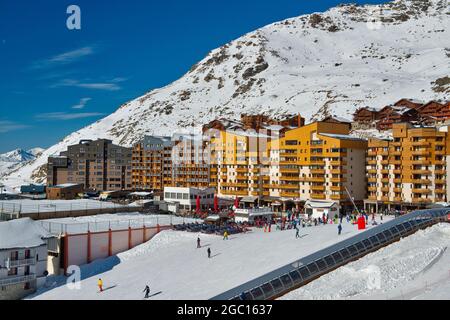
{"x":408,"y":171}
{"x":317,"y":161}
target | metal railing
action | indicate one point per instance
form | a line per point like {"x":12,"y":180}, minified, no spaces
{"x":16,"y":280}
{"x":294,"y":275}
{"x":21,"y":262}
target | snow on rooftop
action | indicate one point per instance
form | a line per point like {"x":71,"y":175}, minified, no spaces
{"x":22,"y":233}
{"x":342,"y":136}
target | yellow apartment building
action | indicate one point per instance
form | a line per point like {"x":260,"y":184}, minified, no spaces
{"x":317,"y":161}
{"x":408,"y":172}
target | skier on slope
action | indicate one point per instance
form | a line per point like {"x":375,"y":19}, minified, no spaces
{"x":209,"y":252}
{"x":339,"y":229}
{"x":225,"y":235}
{"x":297,"y":233}
{"x":198,"y":242}
{"x":100,"y":284}
{"x":147,"y":291}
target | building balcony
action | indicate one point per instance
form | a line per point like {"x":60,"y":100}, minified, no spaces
{"x":421,"y":191}
{"x":439,"y":181}
{"x":316,"y":179}
{"x":384,"y":199}
{"x":289,"y":194}
{"x":338,"y":180}
{"x":372,"y":171}
{"x":385,"y":189}
{"x":440,"y":191}
{"x":338,"y":188}
{"x":372,"y":198}
{"x":385,"y":180}
{"x":420,"y":143}
{"x":318,"y":187}
{"x":317,"y":171}
{"x":16,"y":280}
{"x":21,"y":262}
{"x":372,"y":162}
{"x":318,"y":196}
{"x":384,"y":171}
{"x":439,"y":172}
{"x":374,"y":189}
{"x":289,"y":170}
{"x":373,"y":180}
{"x":289,"y":186}
{"x":439,"y":162}
{"x":421,"y":200}
{"x":244,"y":170}
{"x":420,"y":152}
{"x":338,"y":171}
{"x":421,"y":171}
{"x":338,"y":197}
{"x":397,"y":171}
{"x":439,"y":152}
{"x":398,"y":190}
{"x":284,"y":178}
{"x":421,"y":181}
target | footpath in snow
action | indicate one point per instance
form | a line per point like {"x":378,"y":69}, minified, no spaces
{"x":417,"y":267}
{"x":175,"y":269}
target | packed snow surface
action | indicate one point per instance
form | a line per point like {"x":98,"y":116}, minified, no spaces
{"x":417,"y":267}
{"x":174,"y":268}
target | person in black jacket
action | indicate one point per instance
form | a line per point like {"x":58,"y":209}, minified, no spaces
{"x":198,"y":243}
{"x":147,"y":291}
{"x":209,"y":253}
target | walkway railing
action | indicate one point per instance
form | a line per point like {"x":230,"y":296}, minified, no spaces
{"x":290,"y":277}
{"x":16,"y":280}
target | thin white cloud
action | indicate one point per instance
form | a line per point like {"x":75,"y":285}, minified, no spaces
{"x":63,"y":58}
{"x":108,"y":86}
{"x":82,"y":103}
{"x":67,"y":116}
{"x":7,"y":126}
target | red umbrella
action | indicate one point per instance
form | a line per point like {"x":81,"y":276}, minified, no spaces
{"x":236,"y":202}
{"x":216,"y":203}
{"x":198,"y":204}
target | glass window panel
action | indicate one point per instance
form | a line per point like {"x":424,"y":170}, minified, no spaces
{"x":257,"y":293}
{"x":295,"y":276}
{"x":337,"y":257}
{"x":329,"y":260}
{"x":312,"y":268}
{"x":286,"y":280}
{"x":277,"y":285}
{"x":267,"y":288}
{"x":321,"y":264}
{"x":304,"y":272}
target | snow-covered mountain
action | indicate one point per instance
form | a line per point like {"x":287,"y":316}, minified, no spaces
{"x":36,"y":151}
{"x":316,"y":65}
{"x":16,"y":158}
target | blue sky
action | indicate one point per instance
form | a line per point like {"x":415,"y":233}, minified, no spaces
{"x":54,"y":81}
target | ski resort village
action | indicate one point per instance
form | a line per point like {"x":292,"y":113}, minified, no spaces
{"x":308,"y":159}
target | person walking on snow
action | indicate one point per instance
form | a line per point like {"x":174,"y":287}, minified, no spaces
{"x":209,"y":252}
{"x":147,"y":291}
{"x":100,"y":284}
{"x":297,"y":233}
{"x":339,"y":229}
{"x":225,"y":235}
{"x":198,"y":243}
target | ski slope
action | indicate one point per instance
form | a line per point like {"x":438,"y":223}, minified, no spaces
{"x":172,"y":265}
{"x":417,"y":267}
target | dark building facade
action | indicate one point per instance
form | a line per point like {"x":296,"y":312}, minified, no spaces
{"x":97,"y":165}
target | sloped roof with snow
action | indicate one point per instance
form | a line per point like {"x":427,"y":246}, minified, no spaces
{"x":22,"y":233}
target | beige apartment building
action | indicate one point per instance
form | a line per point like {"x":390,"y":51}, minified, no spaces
{"x":97,"y":165}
